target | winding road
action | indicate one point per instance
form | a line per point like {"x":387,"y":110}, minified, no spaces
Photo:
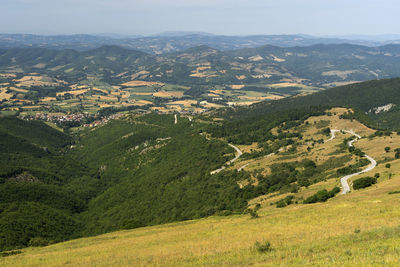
{"x":239,"y":153}
{"x":343,"y":180}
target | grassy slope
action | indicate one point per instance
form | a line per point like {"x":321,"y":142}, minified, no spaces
{"x":317,"y":234}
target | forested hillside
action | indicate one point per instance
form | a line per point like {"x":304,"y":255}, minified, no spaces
{"x":129,"y":173}
{"x":148,"y":169}
{"x":375,"y":103}
{"x":317,"y":65}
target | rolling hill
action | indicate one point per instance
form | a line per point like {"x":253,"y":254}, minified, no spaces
{"x":317,"y":65}
{"x":357,"y":228}
{"x":178,"y":41}
{"x":143,"y":170}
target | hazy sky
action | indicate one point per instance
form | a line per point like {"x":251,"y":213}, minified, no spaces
{"x":241,"y":17}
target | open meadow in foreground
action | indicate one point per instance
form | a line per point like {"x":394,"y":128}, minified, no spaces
{"x":361,"y":228}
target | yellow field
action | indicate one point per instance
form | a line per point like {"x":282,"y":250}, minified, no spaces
{"x":143,"y":102}
{"x":340,"y":83}
{"x":100,"y":90}
{"x":321,"y":234}
{"x":40,"y":65}
{"x":74,"y":92}
{"x":203,"y":75}
{"x":210,"y":105}
{"x":185,"y":103}
{"x":277,"y":59}
{"x":35,"y":80}
{"x":256,"y":58}
{"x":46,"y":99}
{"x":7,"y":75}
{"x":287,"y":84}
{"x":213,"y":95}
{"x":22,"y":101}
{"x":108,"y":98}
{"x":237,"y":86}
{"x":160,"y":109}
{"x":105,"y":105}
{"x":142,"y":93}
{"x":18,"y":90}
{"x":168,"y":94}
{"x":141,"y":83}
{"x":141,"y":74}
{"x":4,"y":95}
{"x":339,"y":73}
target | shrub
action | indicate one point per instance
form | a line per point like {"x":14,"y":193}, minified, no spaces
{"x":224,"y":213}
{"x":285,"y":202}
{"x":387,"y":165}
{"x":38,"y":242}
{"x":363,"y":182}
{"x":264,"y":246}
{"x":387,"y":149}
{"x":10,"y":253}
{"x":253,"y":214}
{"x":322,"y":196}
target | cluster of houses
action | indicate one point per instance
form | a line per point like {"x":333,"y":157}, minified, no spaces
{"x":104,"y":120}
{"x":59,"y":118}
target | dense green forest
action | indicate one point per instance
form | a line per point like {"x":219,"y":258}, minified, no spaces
{"x":247,"y":124}
{"x":137,"y":171}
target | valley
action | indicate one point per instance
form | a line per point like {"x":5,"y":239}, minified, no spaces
{"x":200,"y":157}
{"x":195,"y":80}
{"x":199,"y":133}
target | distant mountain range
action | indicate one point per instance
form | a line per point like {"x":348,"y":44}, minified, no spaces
{"x":169,"y":42}
{"x":317,"y":65}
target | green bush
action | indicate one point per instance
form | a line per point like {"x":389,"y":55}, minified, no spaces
{"x":38,"y":242}
{"x":363,"y":182}
{"x":253,"y":214}
{"x":284,"y":201}
{"x":322,"y":196}
{"x":264,"y":246}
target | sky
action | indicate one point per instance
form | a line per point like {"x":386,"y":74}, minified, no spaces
{"x":228,"y":17}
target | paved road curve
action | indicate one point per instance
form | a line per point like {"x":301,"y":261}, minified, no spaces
{"x":372,"y":165}
{"x":239,"y":153}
